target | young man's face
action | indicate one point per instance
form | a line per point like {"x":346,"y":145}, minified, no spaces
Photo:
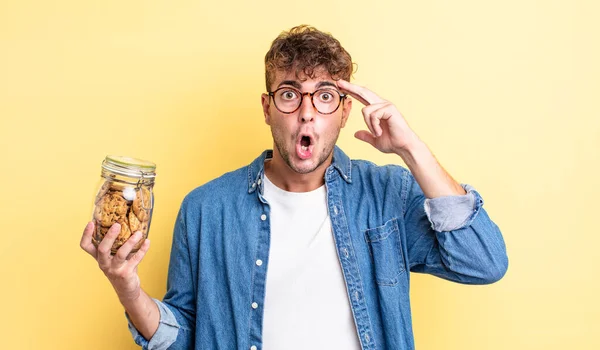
{"x":305,"y":139}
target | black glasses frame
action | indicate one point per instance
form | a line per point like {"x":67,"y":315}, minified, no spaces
{"x":311,"y":94}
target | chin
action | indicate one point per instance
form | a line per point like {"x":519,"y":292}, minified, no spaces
{"x":306,"y":166}
{"x":303,"y":166}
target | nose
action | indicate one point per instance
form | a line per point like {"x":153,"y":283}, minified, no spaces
{"x":307,"y":110}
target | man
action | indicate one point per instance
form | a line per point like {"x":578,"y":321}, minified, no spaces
{"x":305,"y":248}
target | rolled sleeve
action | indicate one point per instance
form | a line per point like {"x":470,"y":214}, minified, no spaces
{"x":451,"y":213}
{"x":165,"y":335}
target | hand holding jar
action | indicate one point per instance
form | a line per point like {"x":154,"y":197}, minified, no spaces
{"x":116,"y":236}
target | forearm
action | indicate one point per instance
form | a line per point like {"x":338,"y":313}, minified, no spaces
{"x":143,"y":313}
{"x":458,"y":241}
{"x":427,"y":171}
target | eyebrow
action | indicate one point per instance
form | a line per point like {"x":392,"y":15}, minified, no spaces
{"x":297,"y":85}
{"x":325,"y":83}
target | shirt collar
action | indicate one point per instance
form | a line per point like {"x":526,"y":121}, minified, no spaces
{"x":341,"y":162}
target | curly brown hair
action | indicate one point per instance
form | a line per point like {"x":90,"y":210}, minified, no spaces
{"x":305,"y":49}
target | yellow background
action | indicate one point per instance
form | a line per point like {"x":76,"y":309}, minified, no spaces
{"x":504,"y":93}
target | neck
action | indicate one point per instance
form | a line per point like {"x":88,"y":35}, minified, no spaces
{"x":284,"y":177}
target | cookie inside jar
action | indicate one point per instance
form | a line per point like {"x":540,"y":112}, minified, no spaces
{"x":125,"y":197}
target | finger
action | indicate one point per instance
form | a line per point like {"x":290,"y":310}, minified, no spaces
{"x":86,"y":240}
{"x":365,"y":136}
{"x":361,"y":93}
{"x":382,"y":113}
{"x":376,"y":125}
{"x":367,"y":117}
{"x":139,"y":255}
{"x":372,"y":124}
{"x":126,"y":248}
{"x":105,"y":246}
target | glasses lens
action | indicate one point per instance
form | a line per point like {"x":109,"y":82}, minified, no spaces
{"x":326,"y":101}
{"x":287,"y":100}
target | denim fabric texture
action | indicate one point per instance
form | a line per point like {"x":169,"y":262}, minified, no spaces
{"x":383,"y":228}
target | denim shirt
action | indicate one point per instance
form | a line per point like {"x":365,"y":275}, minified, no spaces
{"x":383,"y":227}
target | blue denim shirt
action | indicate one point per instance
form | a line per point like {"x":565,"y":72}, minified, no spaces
{"x":383,"y":228}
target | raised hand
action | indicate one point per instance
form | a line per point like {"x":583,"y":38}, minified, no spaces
{"x":388,"y":130}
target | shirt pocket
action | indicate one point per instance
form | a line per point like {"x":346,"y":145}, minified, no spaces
{"x":386,"y":252}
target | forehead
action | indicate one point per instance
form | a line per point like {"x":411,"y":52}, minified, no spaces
{"x":319,"y":75}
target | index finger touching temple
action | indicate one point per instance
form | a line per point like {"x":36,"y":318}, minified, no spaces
{"x":361,"y":93}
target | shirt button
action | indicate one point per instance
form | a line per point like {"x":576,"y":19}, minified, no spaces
{"x":263,"y":217}
{"x":255,"y":305}
{"x":345,"y":250}
{"x":253,"y":347}
{"x":335,"y":210}
{"x":253,"y":185}
{"x":259,"y":181}
{"x":259,"y":262}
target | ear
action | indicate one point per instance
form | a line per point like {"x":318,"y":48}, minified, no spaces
{"x":265,"y":99}
{"x":346,"y":108}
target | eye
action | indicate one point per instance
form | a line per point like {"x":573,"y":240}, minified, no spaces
{"x":289,"y":95}
{"x":326,"y":96}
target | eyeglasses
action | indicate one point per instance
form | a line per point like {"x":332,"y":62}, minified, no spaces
{"x":288,"y":100}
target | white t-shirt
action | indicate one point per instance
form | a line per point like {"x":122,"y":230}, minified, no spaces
{"x":306,"y":302}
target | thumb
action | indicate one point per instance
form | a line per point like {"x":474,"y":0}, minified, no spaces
{"x":365,"y":136}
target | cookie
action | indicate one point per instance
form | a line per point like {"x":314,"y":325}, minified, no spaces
{"x":142,"y":204}
{"x":123,"y":235}
{"x":111,"y":208}
{"x":144,"y":228}
{"x":134,"y":223}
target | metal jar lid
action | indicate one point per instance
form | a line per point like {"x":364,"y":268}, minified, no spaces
{"x":131,"y":167}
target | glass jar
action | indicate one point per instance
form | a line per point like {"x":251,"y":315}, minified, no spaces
{"x":124,"y":196}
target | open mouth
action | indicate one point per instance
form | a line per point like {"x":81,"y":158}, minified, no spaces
{"x":305,"y":142}
{"x":304,"y":147}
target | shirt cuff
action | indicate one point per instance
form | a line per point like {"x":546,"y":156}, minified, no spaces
{"x":449,"y":213}
{"x":165,"y":335}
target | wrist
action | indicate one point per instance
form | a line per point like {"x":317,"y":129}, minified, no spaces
{"x":411,"y":150}
{"x":129,"y":298}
